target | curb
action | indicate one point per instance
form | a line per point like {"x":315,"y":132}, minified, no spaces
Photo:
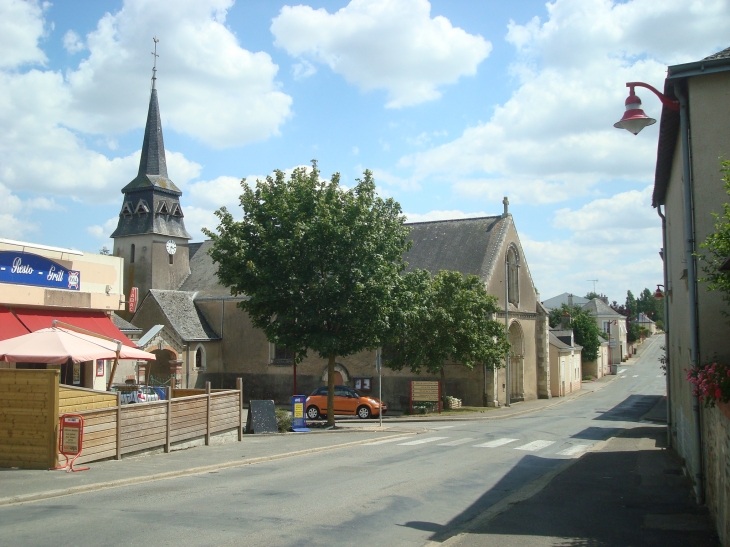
{"x":39,"y":496}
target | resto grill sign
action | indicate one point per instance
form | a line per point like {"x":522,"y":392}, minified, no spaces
{"x":31,"y":269}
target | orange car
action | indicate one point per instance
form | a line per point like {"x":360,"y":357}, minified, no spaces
{"x":347,"y":401}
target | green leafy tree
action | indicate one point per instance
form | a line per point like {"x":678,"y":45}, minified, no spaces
{"x":647,"y":304}
{"x":717,"y":245}
{"x":633,"y":332}
{"x":631,"y":307}
{"x":585,"y":329}
{"x":591,"y":295}
{"x":319,"y":263}
{"x":447,"y":318}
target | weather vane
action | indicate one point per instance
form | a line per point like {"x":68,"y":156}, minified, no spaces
{"x":154,"y":66}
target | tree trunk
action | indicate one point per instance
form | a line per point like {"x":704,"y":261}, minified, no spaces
{"x":331,"y":391}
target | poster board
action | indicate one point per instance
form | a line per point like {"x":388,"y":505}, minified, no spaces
{"x":261,"y":417}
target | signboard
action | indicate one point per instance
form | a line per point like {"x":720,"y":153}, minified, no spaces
{"x":425,"y":392}
{"x":71,"y":440}
{"x":30,"y":269}
{"x":133,"y":297}
{"x":612,"y":344}
{"x":261,"y":417}
{"x":299,"y":419}
{"x":100,"y":367}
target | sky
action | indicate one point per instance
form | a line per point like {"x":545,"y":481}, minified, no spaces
{"x":452,"y":104}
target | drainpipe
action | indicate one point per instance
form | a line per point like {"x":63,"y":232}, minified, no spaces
{"x":692,"y":284}
{"x":665,"y":261}
{"x":506,"y":326}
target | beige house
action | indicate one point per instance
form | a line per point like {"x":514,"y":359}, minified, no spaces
{"x":613,"y":324}
{"x":644,"y":321}
{"x":688,"y":189}
{"x":566,"y":373}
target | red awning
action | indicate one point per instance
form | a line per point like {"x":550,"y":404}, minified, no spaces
{"x":94,"y":321}
{"x":10,"y":327}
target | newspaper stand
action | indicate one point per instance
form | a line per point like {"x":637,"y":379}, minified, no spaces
{"x":71,"y":440}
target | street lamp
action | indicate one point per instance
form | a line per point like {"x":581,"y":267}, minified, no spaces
{"x":635,"y":119}
{"x":659,"y":294}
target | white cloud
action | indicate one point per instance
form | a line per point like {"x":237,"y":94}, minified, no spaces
{"x":384,"y":177}
{"x":210,"y":87}
{"x":21,"y":27}
{"x":303,"y":69}
{"x":13,"y":218}
{"x":553,"y":138}
{"x":442,"y":215}
{"x":383,"y":44}
{"x":103,"y":232}
{"x":72,"y":42}
{"x":621,"y":230}
{"x":216,"y":193}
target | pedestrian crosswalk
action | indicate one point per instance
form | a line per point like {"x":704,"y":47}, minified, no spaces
{"x":572,"y":450}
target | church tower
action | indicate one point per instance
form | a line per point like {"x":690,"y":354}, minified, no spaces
{"x":151,"y":234}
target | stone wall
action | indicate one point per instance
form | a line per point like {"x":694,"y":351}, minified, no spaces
{"x":716,"y":434}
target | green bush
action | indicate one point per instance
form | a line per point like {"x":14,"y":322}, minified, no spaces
{"x":283,"y":420}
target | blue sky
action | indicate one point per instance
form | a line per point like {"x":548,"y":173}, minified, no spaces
{"x":452,"y":104}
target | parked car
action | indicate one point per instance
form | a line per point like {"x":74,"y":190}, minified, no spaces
{"x":347,"y":402}
{"x":138,"y":394}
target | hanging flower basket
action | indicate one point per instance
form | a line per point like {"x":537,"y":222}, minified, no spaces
{"x":711,"y":383}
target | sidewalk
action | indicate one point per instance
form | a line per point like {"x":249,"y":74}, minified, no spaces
{"x":630,"y":493}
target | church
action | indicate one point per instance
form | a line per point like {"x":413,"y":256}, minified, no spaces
{"x":199,"y":334}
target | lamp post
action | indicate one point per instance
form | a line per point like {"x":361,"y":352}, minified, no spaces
{"x":635,"y":119}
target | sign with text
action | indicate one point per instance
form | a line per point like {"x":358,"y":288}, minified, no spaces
{"x":133,"y":296}
{"x":36,"y":270}
{"x":261,"y":417}
{"x":298,"y":418}
{"x":423,"y":393}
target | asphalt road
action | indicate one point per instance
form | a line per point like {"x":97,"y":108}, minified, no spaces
{"x":406,"y":491}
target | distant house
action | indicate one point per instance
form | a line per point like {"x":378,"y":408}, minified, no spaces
{"x":565,"y":298}
{"x":644,"y":321}
{"x":612,"y":323}
{"x":565,"y":363}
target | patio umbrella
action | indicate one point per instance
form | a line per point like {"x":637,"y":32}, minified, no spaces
{"x":57,"y":345}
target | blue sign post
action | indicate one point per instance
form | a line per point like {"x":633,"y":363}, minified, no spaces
{"x":299,"y":418}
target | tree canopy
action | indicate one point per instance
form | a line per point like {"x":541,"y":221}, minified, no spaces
{"x":318,"y":263}
{"x":447,"y":318}
{"x":585,"y":329}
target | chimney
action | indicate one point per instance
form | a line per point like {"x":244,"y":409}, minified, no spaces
{"x":570,"y":300}
{"x":604,"y":298}
{"x":565,"y":321}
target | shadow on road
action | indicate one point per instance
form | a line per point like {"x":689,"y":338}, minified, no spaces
{"x":631,"y":493}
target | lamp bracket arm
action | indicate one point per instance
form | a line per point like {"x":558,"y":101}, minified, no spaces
{"x":666,"y":101}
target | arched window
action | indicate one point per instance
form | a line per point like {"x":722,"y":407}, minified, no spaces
{"x":131,"y":255}
{"x":513,"y":276}
{"x":200,"y":357}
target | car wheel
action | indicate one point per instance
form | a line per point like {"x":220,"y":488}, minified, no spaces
{"x":364,"y":412}
{"x":313,"y":413}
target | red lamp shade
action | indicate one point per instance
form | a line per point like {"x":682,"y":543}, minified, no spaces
{"x":634,"y":119}
{"x":659,"y":294}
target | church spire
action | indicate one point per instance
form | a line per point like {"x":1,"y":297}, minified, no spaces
{"x":153,"y":161}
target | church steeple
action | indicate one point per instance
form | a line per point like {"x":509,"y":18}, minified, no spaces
{"x":151,"y":200}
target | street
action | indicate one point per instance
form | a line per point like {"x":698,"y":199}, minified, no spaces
{"x":398,"y":491}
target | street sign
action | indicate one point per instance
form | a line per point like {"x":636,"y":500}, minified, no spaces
{"x":378,"y":361}
{"x":71,"y":440}
{"x":612,"y":344}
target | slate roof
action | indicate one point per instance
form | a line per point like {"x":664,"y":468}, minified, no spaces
{"x":124,"y":325}
{"x":643,"y":318}
{"x":152,"y":201}
{"x":203,"y":278}
{"x":557,"y":301}
{"x":466,"y":245}
{"x":599,"y":307}
{"x":724,"y":54}
{"x":557,"y":339}
{"x":184,"y":318}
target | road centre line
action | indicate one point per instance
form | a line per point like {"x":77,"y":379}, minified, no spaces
{"x":535,"y":445}
{"x":457,"y":442}
{"x":495,"y":443}
{"x":423,"y":441}
{"x":635,"y":376}
{"x":622,"y":370}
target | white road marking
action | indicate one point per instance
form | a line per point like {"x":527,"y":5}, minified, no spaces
{"x":457,"y":442}
{"x":622,"y":370}
{"x":495,"y":443}
{"x":659,"y":375}
{"x":441,"y":427}
{"x":534,"y":445}
{"x":386,"y":441}
{"x":623,"y":376}
{"x":423,"y":441}
{"x":575,"y":450}
{"x":635,"y":376}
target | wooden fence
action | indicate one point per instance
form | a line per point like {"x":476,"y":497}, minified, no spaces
{"x":28,"y":418}
{"x":124,"y":429}
{"x":31,"y":402}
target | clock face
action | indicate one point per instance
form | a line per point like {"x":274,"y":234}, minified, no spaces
{"x":171,"y":247}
